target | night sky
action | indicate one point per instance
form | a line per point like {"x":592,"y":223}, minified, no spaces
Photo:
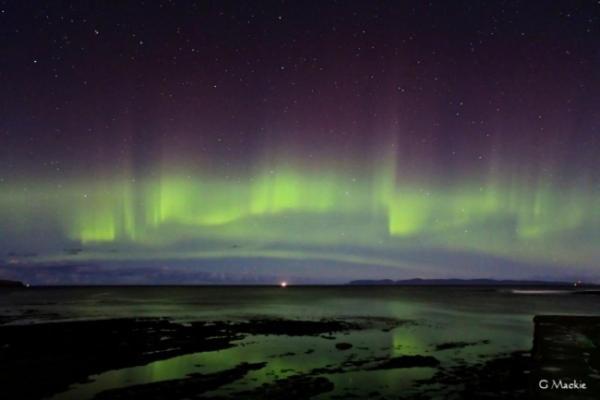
{"x":312,"y":141}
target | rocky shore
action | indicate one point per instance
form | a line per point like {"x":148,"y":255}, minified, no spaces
{"x":39,"y":360}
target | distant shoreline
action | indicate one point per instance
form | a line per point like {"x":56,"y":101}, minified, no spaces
{"x":422,"y":283}
{"x":471,"y":283}
{"x":11,"y":284}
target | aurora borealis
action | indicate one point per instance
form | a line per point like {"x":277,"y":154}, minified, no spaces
{"x":313,"y":141}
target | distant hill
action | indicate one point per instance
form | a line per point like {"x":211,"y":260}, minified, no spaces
{"x":11,"y":284}
{"x":462,"y":282}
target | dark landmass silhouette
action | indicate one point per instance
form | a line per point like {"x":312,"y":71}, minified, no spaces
{"x":11,"y":284}
{"x":469,"y":282}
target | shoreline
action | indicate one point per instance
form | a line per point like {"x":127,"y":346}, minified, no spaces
{"x":84,"y":348}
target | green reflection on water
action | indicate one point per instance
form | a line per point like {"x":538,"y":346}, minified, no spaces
{"x":286,"y":356}
{"x":434,"y":316}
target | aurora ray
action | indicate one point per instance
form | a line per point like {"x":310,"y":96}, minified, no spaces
{"x":381,"y":150}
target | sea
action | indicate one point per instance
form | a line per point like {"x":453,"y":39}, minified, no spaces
{"x":487,"y":321}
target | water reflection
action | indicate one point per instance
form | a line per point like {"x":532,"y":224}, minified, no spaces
{"x":475,"y":323}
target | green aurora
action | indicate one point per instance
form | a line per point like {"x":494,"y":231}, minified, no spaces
{"x":299,"y":213}
{"x":323,"y":142}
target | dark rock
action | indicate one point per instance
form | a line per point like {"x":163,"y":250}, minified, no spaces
{"x":302,"y":386}
{"x":343,"y":346}
{"x":406,"y":362}
{"x":294,"y":327}
{"x":11,"y":284}
{"x":567,"y":348}
{"x":458,"y":345}
{"x":503,"y":377}
{"x":288,"y":354}
{"x":175,"y":389}
{"x":55,"y":355}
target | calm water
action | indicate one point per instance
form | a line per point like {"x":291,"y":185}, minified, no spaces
{"x":443,"y":315}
